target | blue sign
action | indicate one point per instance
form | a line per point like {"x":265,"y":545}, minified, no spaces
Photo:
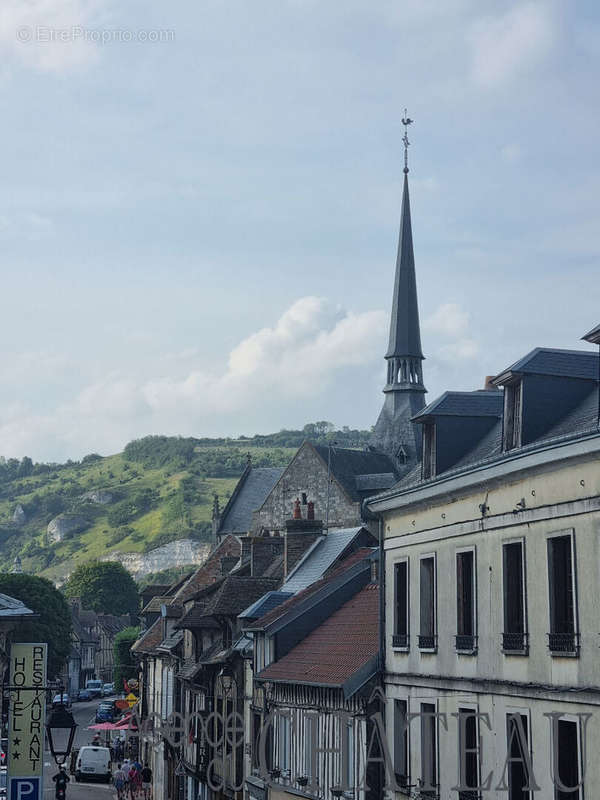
{"x":26,"y":789}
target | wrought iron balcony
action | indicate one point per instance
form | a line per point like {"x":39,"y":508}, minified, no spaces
{"x":466,"y":643}
{"x":400,"y":640}
{"x":564,"y":644}
{"x":427,"y":642}
{"x":515,"y":643}
{"x":469,"y":794}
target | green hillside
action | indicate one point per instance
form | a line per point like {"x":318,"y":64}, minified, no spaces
{"x":158,"y":490}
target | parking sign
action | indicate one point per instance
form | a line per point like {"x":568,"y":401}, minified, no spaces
{"x":25,"y":789}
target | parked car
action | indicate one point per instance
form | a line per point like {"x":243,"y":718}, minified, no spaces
{"x":83,"y":695}
{"x":3,"y":794}
{"x":61,"y":700}
{"x":105,"y":712}
{"x":93,"y":763}
{"x":94,"y":687}
{"x":108,"y":689}
{"x":3,"y":751}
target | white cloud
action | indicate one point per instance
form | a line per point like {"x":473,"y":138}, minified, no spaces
{"x":449,"y":329}
{"x":48,"y":35}
{"x":300,"y":356}
{"x":506,"y":45}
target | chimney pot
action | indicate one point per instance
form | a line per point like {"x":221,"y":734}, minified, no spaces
{"x":488,"y":385}
{"x":297,"y":511}
{"x":311,"y":510}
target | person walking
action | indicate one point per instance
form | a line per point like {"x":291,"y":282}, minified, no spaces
{"x":147,"y":782}
{"x":120,"y":780}
{"x":135,"y":782}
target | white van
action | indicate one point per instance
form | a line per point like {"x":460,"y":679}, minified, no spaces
{"x":93,"y":763}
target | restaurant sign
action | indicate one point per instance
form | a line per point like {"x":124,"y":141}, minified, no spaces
{"x":27,"y":716}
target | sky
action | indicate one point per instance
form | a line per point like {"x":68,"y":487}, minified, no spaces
{"x":199,"y":206}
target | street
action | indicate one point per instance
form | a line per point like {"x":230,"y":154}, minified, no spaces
{"x":84,"y":714}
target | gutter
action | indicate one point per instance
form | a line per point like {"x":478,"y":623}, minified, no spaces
{"x":496,"y":471}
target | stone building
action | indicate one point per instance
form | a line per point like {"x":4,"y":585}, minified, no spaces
{"x":491,"y":559}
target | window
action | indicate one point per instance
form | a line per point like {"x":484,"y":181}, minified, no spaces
{"x":568,"y":760}
{"x":513,"y":394}
{"x":256,"y":729}
{"x":428,"y":450}
{"x":400,"y":637}
{"x":517,"y":740}
{"x":401,"y":743}
{"x":562,"y":639}
{"x":514,"y":638}
{"x":468,"y":743}
{"x":466,"y":639}
{"x":427,"y":597}
{"x":348,"y":732}
{"x":429,"y":779}
{"x":311,"y":721}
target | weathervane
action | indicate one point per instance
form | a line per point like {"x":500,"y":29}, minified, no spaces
{"x":406,"y":121}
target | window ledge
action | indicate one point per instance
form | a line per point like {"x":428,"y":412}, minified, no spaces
{"x":524,"y":652}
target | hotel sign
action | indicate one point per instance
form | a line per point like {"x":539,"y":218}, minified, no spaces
{"x":27,"y":717}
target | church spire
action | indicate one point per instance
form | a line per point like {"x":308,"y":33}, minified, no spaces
{"x":404,"y":353}
{"x":394,"y":432}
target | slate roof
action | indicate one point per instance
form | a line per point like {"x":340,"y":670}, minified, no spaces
{"x":194,"y":617}
{"x":11,"y":607}
{"x":154,"y":606}
{"x":378,"y":480}
{"x":171,"y":642}
{"x":264,"y":605}
{"x":563,"y":363}
{"x":293,"y":602}
{"x":210,"y":570}
{"x":346,"y":464}
{"x":250,"y":493}
{"x":319,"y":558}
{"x":593,"y":336}
{"x":149,"y":641}
{"x":482,"y":403}
{"x":346,"y":643}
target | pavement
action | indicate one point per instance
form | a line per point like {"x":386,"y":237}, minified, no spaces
{"x":84,"y":715}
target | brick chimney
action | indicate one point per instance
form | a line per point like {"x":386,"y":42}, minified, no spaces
{"x":488,"y":385}
{"x":299,"y":536}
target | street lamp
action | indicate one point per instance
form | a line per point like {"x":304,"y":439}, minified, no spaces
{"x":61,"y":732}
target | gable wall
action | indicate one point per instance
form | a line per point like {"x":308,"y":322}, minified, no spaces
{"x":307,"y":473}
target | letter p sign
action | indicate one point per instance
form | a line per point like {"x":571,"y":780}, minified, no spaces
{"x":25,"y":789}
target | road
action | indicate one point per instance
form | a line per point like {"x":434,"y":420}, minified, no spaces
{"x":84,"y":714}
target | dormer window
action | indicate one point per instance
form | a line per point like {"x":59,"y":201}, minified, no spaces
{"x":428,"y":450}
{"x":513,"y":414}
{"x":401,"y":455}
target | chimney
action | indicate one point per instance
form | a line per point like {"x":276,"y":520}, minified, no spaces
{"x":297,"y":511}
{"x":299,"y":536}
{"x":311,"y":510}
{"x":488,"y":385}
{"x":228,"y":563}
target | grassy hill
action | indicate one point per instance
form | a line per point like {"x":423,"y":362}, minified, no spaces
{"x":160,"y":489}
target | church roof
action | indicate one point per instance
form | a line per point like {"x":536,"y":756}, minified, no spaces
{"x":405,"y":335}
{"x":249,"y":494}
{"x":349,"y":465}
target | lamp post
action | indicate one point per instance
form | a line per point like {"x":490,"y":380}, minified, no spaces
{"x":61,"y":729}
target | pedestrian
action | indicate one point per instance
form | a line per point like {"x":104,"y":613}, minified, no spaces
{"x":135,"y":781}
{"x":120,"y":779}
{"x":147,"y":782}
{"x":61,"y":779}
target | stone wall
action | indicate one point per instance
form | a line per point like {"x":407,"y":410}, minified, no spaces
{"x":306,"y":474}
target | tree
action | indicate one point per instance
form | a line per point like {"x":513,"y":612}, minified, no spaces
{"x":53,"y":625}
{"x":104,"y":586}
{"x":124,"y":664}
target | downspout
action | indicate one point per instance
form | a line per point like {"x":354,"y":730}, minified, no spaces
{"x":381,"y":598}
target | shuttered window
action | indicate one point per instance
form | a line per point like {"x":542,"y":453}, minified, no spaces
{"x":465,"y":601}
{"x":401,"y":621}
{"x":427,"y":598}
{"x":514,"y":636}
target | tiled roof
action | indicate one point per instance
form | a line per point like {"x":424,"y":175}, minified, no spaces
{"x":149,"y":640}
{"x":194,"y":617}
{"x":235,"y":594}
{"x":346,"y":464}
{"x":315,"y":563}
{"x":264,"y":605}
{"x":210,"y":571}
{"x":337,"y":649}
{"x":294,"y":601}
{"x":483,"y":403}
{"x":250,"y":493}
{"x":564,"y":363}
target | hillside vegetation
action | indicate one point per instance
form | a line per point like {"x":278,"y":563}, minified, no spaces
{"x":158,"y":490}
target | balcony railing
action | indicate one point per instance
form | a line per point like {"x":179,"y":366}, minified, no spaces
{"x":469,"y":794}
{"x":515,"y":643}
{"x":563,"y":644}
{"x":466,"y":643}
{"x":400,"y":640}
{"x":427,"y":642}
